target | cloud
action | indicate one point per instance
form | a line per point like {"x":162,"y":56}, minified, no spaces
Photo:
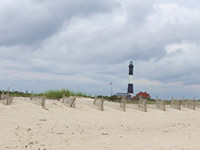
{"x":85,"y":45}
{"x":38,"y":20}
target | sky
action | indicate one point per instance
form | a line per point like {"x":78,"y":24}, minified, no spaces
{"x":84,"y":45}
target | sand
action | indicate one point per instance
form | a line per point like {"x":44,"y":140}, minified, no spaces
{"x":27,"y":126}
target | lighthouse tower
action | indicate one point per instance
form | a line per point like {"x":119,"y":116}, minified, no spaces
{"x":130,"y":80}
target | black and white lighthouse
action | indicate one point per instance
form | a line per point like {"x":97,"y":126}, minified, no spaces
{"x":130,"y":80}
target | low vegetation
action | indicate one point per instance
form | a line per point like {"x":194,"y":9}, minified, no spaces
{"x":17,"y":93}
{"x":51,"y":94}
{"x":57,"y":94}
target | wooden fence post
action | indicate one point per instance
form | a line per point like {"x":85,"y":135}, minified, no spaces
{"x":31,"y":95}
{"x":94,"y":99}
{"x":156,"y":101}
{"x":73,"y":103}
{"x":43,"y":101}
{"x":7,"y":92}
{"x":179,"y":104}
{"x":7,"y":97}
{"x":102,"y":103}
{"x":193,"y":106}
{"x":2,"y":95}
{"x":145,"y":105}
{"x":139,"y":101}
{"x":63,"y":99}
{"x":163,"y":105}
{"x":123,"y":104}
{"x":172,"y":100}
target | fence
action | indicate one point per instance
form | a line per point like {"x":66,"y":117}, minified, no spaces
{"x":38,"y":100}
{"x":6,"y":99}
{"x":2,"y":95}
{"x":70,"y":101}
{"x":139,"y":105}
{"x":99,"y":103}
{"x":142,"y":104}
{"x":197,"y":104}
{"x":119,"y":106}
{"x":160,"y":104}
{"x":123,"y":105}
{"x":176,"y":104}
{"x":189,"y":104}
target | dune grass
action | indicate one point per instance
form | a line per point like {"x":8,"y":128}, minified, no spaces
{"x":57,"y":94}
{"x":51,"y":94}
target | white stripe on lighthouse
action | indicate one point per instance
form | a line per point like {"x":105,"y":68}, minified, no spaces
{"x":130,"y":79}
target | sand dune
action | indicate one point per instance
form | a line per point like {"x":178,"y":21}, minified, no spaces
{"x":25,"y":125}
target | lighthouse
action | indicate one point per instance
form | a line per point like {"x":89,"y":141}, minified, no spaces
{"x":130,"y":80}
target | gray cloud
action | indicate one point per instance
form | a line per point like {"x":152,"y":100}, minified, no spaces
{"x":86,"y":45}
{"x":31,"y":21}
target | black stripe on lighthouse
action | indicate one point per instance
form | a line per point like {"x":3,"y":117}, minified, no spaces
{"x":130,"y":80}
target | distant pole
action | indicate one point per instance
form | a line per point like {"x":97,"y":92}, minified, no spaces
{"x":110,"y":88}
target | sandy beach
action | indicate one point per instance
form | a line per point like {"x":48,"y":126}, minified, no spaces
{"x":27,"y":126}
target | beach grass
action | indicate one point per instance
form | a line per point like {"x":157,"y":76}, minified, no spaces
{"x":57,"y":94}
{"x":51,"y":94}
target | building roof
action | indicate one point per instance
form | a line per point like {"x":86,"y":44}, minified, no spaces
{"x":143,"y":94}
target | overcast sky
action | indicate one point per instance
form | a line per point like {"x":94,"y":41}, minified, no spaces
{"x":83,"y":45}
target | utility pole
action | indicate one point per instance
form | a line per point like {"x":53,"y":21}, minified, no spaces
{"x":110,"y":88}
